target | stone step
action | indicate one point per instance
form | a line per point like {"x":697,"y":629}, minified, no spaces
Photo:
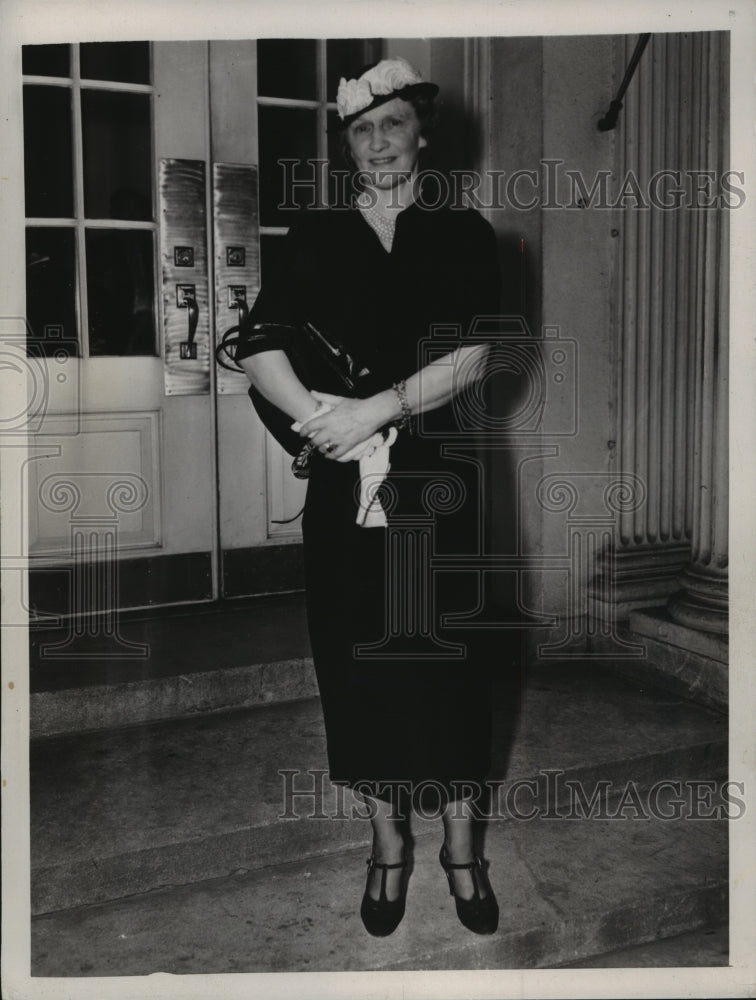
{"x":567,"y":891}
{"x":172,"y":665}
{"x":126,"y":811}
{"x":705,"y":946}
{"x":155,"y":699}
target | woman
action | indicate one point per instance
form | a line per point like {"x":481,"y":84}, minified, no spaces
{"x":403,"y":710}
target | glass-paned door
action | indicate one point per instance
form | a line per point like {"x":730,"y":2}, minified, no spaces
{"x":121,"y":489}
{"x":147,"y":462}
{"x":89,"y":196}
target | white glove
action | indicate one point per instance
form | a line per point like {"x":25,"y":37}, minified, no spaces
{"x":364,"y":449}
{"x":373,"y":470}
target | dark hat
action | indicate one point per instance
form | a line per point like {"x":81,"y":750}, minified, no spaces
{"x":377,"y":85}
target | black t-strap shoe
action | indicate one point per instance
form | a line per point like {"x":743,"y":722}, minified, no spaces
{"x":382,"y":916}
{"x":481,"y":913}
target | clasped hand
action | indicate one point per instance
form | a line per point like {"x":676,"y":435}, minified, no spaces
{"x":342,"y":428}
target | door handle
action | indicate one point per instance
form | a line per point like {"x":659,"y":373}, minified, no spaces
{"x":237,"y":299}
{"x":226,"y":349}
{"x":188,"y":349}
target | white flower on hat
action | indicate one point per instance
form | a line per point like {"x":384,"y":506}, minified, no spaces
{"x":384,"y":78}
{"x":391,"y":74}
{"x":353,"y":96}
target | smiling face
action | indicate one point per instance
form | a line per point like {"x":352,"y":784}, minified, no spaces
{"x":385,"y":143}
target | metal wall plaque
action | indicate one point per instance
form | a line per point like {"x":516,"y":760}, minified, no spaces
{"x":183,"y":252}
{"x":236,"y":231}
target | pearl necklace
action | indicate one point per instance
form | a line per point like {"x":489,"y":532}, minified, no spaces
{"x":384,"y":228}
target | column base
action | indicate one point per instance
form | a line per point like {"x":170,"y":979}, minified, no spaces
{"x":636,"y":577}
{"x":702,"y":603}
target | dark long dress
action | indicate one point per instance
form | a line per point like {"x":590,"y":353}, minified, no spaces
{"x":414,"y":708}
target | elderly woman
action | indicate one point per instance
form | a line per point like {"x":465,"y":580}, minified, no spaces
{"x":411,"y":709}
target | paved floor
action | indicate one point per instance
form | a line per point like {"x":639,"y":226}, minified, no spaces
{"x":126,"y":810}
{"x":567,"y":890}
{"x":189,"y":807}
{"x":701,"y":948}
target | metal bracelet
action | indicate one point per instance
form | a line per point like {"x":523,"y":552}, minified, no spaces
{"x":400,"y":388}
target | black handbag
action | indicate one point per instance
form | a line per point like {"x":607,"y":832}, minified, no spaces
{"x":318,"y":362}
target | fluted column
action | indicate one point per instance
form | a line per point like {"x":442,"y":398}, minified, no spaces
{"x":654,"y":281}
{"x":702,"y":603}
{"x":672,"y":335}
